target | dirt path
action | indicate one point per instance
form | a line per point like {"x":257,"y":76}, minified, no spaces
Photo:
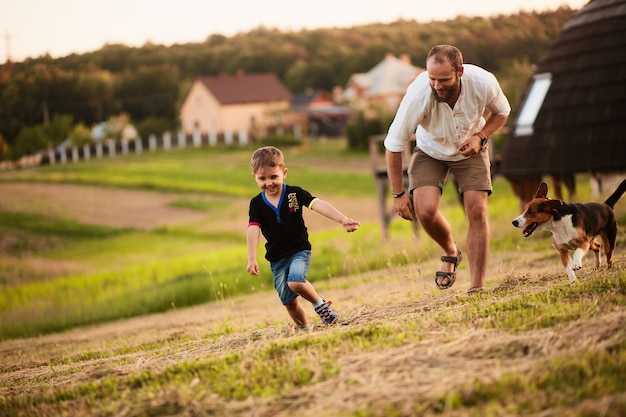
{"x":97,"y":205}
{"x":147,"y":210}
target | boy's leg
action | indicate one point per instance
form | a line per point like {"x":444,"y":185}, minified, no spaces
{"x":297,"y":282}
{"x":305,"y":290}
{"x":297,"y":313}
{"x":287,"y":296}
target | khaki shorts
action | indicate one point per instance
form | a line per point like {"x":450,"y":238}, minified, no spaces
{"x":471,"y":174}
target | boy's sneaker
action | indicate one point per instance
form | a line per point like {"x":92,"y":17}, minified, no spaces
{"x":305,"y":329}
{"x":326,"y":312}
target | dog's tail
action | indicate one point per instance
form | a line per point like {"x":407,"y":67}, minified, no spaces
{"x":617,"y":194}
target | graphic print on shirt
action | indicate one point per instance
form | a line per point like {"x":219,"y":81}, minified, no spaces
{"x":293,"y":203}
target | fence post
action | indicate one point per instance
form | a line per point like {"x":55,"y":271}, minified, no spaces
{"x":197,"y":138}
{"x":212,"y":138}
{"x":181,"y":139}
{"x":152,"y":142}
{"x":86,"y":152}
{"x":111,"y":146}
{"x":167,"y":141}
{"x":243,"y":137}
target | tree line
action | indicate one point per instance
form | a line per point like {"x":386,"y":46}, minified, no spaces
{"x":44,"y":100}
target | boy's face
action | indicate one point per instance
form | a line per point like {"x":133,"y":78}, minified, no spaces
{"x":270,"y":179}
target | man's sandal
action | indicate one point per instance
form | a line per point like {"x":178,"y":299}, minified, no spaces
{"x":451,"y":276}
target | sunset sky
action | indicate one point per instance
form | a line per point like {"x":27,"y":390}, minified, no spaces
{"x":31,"y":28}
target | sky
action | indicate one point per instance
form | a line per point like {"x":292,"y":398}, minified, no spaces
{"x":32,"y":28}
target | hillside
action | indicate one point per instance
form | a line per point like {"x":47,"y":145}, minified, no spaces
{"x":530,"y":345}
{"x":406,"y":348}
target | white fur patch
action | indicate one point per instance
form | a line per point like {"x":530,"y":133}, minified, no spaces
{"x":563,"y":231}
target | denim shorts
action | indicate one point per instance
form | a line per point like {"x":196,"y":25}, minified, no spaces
{"x":290,"y":269}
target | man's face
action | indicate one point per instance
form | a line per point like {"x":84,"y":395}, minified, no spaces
{"x":444,"y":81}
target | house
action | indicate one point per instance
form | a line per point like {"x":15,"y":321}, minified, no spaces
{"x":319,"y":114}
{"x":383,"y":86}
{"x":218,"y":105}
{"x":571,"y":119}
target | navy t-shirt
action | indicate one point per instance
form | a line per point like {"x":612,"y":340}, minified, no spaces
{"x":283,"y":226}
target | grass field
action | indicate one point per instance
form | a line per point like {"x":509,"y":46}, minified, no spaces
{"x":124,"y":292}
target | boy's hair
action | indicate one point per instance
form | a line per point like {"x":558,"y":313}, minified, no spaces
{"x":443,"y":53}
{"x":267,"y":156}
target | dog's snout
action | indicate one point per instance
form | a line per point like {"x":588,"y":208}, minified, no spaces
{"x":515,"y":222}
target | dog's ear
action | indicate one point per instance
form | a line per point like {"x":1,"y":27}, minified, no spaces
{"x":542,"y":191}
{"x":554,"y":206}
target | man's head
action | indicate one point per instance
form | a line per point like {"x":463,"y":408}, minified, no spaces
{"x":444,"y":65}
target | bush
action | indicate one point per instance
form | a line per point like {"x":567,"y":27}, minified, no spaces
{"x":154,"y":125}
{"x":280,"y":141}
{"x":29,"y":141}
{"x":361,"y":128}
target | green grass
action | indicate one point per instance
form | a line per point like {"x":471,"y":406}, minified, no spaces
{"x":126,"y":272}
{"x":532,"y":329}
{"x":219,"y":171}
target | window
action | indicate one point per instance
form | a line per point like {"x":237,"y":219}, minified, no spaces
{"x":532,"y":104}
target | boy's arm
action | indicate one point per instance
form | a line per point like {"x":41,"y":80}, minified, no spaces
{"x":252,"y":237}
{"x":326,"y":209}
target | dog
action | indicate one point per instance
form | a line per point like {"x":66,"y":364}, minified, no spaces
{"x":574,"y":227}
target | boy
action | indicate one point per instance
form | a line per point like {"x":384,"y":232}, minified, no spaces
{"x":277,"y":213}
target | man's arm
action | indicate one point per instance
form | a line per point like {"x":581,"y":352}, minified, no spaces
{"x":402,"y":205}
{"x":493,"y":123}
{"x":472,"y":145}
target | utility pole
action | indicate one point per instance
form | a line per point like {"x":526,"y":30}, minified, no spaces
{"x":7,"y":39}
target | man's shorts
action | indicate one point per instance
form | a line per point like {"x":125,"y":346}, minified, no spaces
{"x":293,"y":268}
{"x":471,"y":174}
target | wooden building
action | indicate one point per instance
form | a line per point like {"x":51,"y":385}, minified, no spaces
{"x":573,"y":117}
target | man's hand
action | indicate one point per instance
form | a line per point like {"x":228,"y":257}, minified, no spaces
{"x":404,"y":207}
{"x":470,"y":146}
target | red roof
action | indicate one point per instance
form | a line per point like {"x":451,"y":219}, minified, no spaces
{"x":246,"y":88}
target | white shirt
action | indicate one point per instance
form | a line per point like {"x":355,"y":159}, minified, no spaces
{"x":438,"y":128}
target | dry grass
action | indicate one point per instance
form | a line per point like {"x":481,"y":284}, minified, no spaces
{"x":448,"y":357}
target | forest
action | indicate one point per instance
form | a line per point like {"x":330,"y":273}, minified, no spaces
{"x":43,"y":101}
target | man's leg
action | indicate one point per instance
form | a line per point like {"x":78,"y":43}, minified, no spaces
{"x":426,"y":201}
{"x":478,"y":234}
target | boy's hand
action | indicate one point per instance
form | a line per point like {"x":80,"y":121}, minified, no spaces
{"x":253,"y":268}
{"x":350,"y":225}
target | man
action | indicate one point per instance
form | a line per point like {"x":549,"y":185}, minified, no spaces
{"x":444,"y":107}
